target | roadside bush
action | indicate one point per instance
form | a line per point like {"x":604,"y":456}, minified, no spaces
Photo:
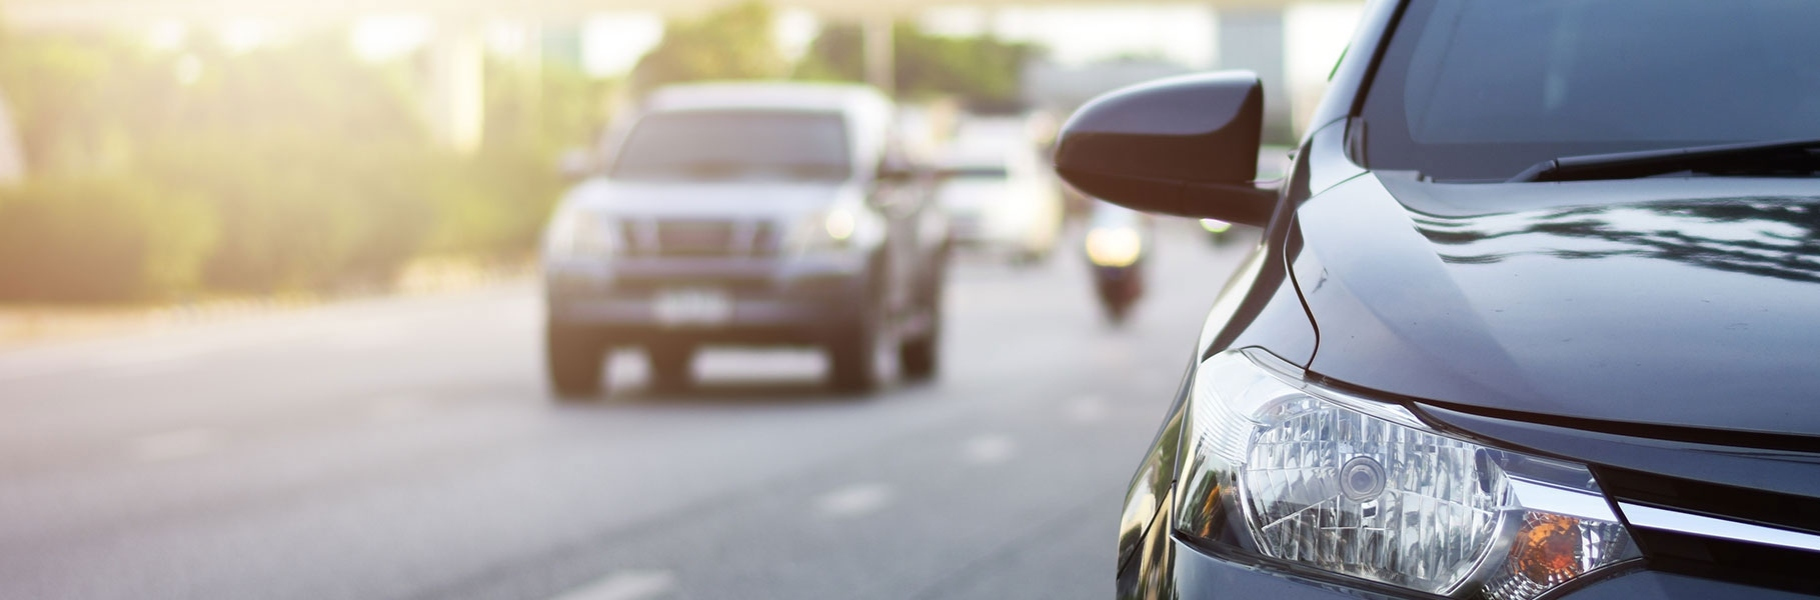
{"x":100,"y":240}
{"x":294,"y":167}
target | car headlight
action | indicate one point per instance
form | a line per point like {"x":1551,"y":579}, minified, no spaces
{"x":1319,"y":479}
{"x":1114,"y":246}
{"x":582,"y":234}
{"x":831,"y":230}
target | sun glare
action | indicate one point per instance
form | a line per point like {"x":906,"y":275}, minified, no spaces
{"x":384,"y":37}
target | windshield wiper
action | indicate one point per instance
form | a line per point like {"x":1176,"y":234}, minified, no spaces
{"x":1788,"y":157}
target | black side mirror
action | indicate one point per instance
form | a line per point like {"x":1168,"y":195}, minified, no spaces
{"x":1184,"y":146}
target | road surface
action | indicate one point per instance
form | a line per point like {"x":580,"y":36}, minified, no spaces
{"x":405,"y":449}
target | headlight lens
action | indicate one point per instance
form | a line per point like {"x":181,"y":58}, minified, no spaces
{"x":1114,"y":246}
{"x":582,"y":234}
{"x":824,"y":231}
{"x":1365,"y":489}
{"x":840,"y":224}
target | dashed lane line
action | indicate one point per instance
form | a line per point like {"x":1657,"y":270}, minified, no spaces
{"x":626,"y":585}
{"x":854,"y":500}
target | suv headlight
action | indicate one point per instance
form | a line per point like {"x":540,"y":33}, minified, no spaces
{"x":827,"y":231}
{"x":1318,"y":479}
{"x":582,"y":234}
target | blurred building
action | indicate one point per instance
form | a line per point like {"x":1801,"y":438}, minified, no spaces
{"x":12,"y":155}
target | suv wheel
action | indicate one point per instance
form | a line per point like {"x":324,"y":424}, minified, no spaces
{"x":853,"y":357}
{"x":919,"y":357}
{"x":672,"y":366}
{"x":576,"y":361}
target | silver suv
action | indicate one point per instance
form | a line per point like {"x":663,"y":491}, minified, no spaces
{"x":748,"y":214}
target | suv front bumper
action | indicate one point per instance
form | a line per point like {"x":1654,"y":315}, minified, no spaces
{"x":802,"y":301}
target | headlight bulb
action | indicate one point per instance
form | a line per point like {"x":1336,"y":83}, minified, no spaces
{"x":1114,"y":246}
{"x":1362,"y":479}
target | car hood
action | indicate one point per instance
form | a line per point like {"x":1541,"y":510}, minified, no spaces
{"x":707,"y":200}
{"x":1669,"y":302}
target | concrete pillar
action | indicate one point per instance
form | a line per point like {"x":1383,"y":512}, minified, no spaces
{"x":12,"y":151}
{"x":1253,"y":39}
{"x":456,"y":103}
{"x":879,"y":38}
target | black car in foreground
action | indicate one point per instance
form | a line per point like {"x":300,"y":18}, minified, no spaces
{"x":1536,"y":314}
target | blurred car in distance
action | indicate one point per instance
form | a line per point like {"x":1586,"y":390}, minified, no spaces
{"x":1533,"y":317}
{"x":999,"y":192}
{"x":1218,"y":232}
{"x":748,"y":214}
{"x":1117,"y":244}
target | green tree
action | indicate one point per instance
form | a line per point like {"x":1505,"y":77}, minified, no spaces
{"x":734,"y":43}
{"x":290,"y":167}
{"x":983,"y":71}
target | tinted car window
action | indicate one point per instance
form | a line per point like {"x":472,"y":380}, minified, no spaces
{"x":736,"y":145}
{"x":1482,"y":89}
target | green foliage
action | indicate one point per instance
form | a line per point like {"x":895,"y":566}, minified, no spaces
{"x":64,"y":240}
{"x":543,"y":110}
{"x":295,"y":167}
{"x":67,"y":98}
{"x":496,"y":206}
{"x":315,"y":163}
{"x":734,"y":43}
{"x":982,"y":71}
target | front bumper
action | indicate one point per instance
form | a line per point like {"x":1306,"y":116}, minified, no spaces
{"x":1199,"y":575}
{"x":802,"y":301}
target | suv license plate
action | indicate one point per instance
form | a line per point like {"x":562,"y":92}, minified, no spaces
{"x":694,"y":306}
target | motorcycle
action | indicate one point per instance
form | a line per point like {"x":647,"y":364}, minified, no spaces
{"x":1117,"y":244}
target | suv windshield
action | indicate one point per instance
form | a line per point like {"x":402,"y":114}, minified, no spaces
{"x":735,"y":145}
{"x":1480,"y":90}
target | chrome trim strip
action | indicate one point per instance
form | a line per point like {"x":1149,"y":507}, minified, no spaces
{"x":1650,"y":517}
{"x":1543,"y":497}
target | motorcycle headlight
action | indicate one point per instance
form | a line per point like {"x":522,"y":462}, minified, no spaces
{"x":1114,"y":246}
{"x":582,"y":234}
{"x":1319,"y":479}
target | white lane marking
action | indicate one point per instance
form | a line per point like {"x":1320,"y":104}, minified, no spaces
{"x":1086,"y":409}
{"x":173,"y":445}
{"x":400,"y":408}
{"x":854,"y":500}
{"x":989,"y":449}
{"x":625,"y":585}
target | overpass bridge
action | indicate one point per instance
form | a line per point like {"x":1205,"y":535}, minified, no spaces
{"x":1251,"y":33}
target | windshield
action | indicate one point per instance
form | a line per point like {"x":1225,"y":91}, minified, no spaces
{"x":741,"y":145}
{"x":1482,"y":89}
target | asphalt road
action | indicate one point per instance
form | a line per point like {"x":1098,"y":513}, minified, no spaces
{"x":405,"y":448}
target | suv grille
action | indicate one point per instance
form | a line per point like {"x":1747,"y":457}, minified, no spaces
{"x":700,"y":238}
